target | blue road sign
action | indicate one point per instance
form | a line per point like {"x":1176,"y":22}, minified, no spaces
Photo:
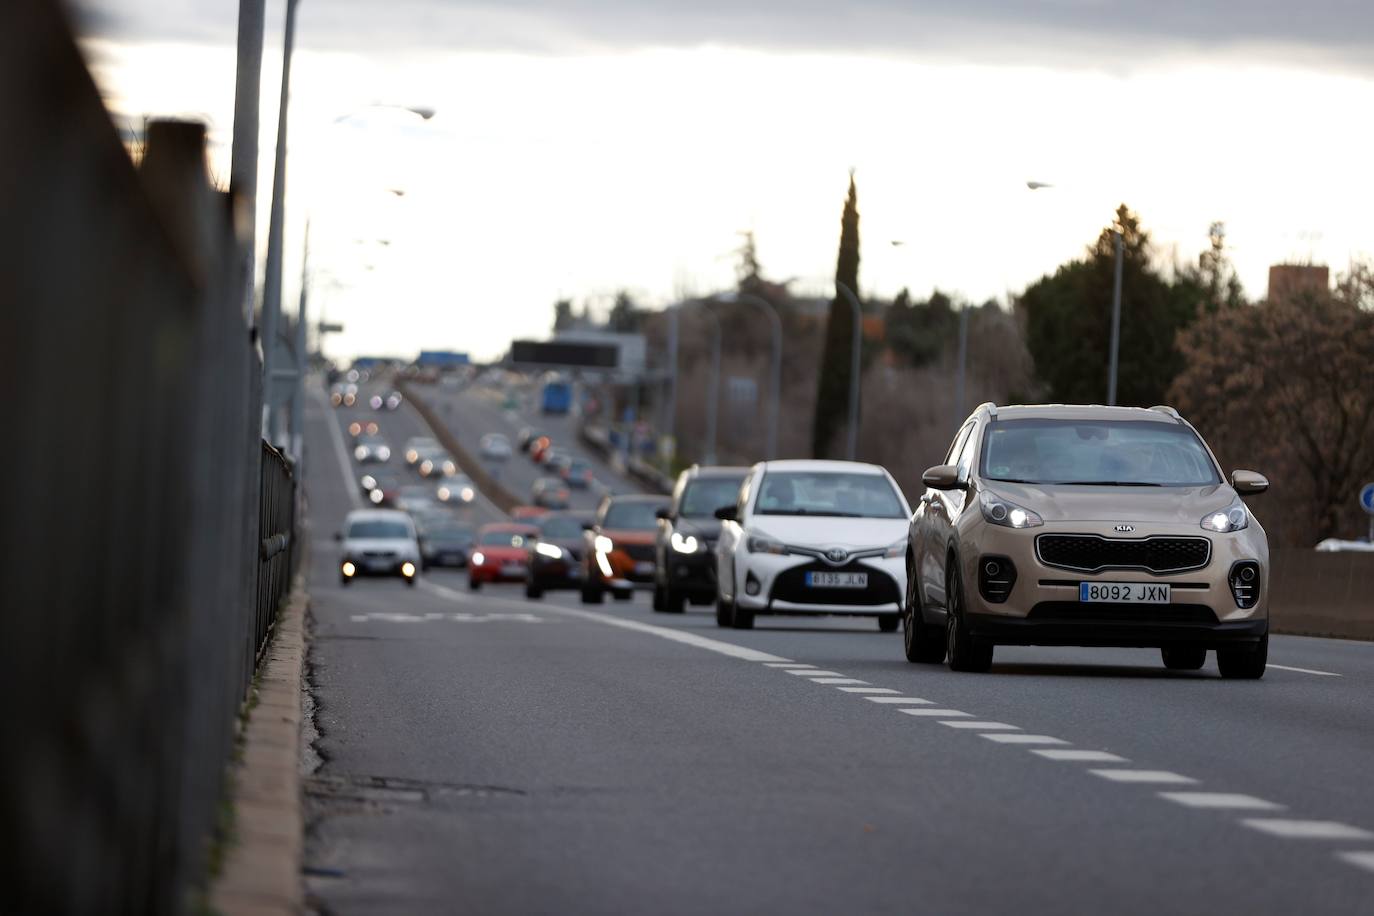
{"x":1367,"y":498}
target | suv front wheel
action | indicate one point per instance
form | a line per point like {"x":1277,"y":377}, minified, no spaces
{"x":966,"y":652}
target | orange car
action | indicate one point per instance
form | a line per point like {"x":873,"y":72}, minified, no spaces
{"x":619,"y":554}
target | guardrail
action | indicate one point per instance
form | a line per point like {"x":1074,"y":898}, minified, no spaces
{"x":1315,"y":593}
{"x":141,"y":507}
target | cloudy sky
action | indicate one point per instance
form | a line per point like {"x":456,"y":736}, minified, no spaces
{"x":584,"y":146}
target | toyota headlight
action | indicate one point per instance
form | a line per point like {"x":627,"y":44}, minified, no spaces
{"x":896,"y":549}
{"x":1233,"y":518}
{"x":687,"y":544}
{"x":998,"y":511}
{"x":762,"y":543}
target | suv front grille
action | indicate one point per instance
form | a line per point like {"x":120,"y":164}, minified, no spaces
{"x":1094,"y":553}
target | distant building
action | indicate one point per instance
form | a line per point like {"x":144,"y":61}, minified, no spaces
{"x":1292,"y":281}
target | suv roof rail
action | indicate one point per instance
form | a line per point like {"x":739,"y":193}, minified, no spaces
{"x":1166,"y":409}
{"x":991,"y":407}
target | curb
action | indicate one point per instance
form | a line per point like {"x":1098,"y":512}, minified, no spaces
{"x":262,"y":867}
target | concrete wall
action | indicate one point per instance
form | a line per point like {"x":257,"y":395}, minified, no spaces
{"x":1313,"y":593}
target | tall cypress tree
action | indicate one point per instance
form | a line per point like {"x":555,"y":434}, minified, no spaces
{"x":832,"y":394}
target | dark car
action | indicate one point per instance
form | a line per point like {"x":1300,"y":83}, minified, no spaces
{"x":444,"y":542}
{"x":576,"y":473}
{"x":555,"y":557}
{"x":526,"y":438}
{"x":684,"y":550}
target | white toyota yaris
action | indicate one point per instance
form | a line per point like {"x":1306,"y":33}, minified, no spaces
{"x":813,"y":537}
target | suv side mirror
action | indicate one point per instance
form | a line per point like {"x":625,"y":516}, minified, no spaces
{"x":942,"y":477}
{"x":663,"y":513}
{"x":727,"y":514}
{"x":1248,"y":483}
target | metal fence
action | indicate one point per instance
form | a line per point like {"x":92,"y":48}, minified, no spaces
{"x":147,"y":535}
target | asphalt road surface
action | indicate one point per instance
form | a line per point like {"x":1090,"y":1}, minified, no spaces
{"x":487,"y":754}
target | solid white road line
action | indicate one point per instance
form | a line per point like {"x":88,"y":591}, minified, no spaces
{"x":1305,"y":670}
{"x":1307,"y":830}
{"x":939,"y":713}
{"x":837,"y":680}
{"x":983,"y":726}
{"x":350,"y":485}
{"x":1146,"y":776}
{"x":1018,"y":738}
{"x":1230,"y":801}
{"x":1076,"y":756}
{"x":1363,"y":860}
{"x":899,"y":701}
{"x":785,"y":665}
{"x":868,"y":690}
{"x":814,"y":673}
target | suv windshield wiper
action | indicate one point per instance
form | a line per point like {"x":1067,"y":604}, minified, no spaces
{"x":1108,"y":483}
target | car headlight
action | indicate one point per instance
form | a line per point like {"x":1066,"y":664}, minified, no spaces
{"x":762,"y":543}
{"x":688,"y":544}
{"x":376,"y":495}
{"x":450,"y":469}
{"x":478,"y":558}
{"x":998,"y":511}
{"x":603,"y":544}
{"x":896,"y":549}
{"x":467,"y":493}
{"x":1233,"y":518}
{"x":552,"y":551}
{"x":384,"y":453}
{"x":348,"y":568}
{"x":360,"y":453}
{"x":407,"y":569}
{"x":369,"y":482}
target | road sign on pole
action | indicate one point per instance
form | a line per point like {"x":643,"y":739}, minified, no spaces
{"x":1367,"y":498}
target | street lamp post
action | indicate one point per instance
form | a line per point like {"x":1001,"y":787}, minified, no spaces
{"x":855,"y":356}
{"x":775,"y":384}
{"x":713,"y":386}
{"x":243,"y":167}
{"x":959,"y":414}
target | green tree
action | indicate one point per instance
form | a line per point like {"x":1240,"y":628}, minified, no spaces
{"x":1068,"y":321}
{"x":832,"y":394}
{"x":563,"y":316}
{"x":919,"y":331}
{"x":625,"y":316}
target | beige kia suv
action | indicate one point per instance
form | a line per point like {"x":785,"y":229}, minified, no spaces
{"x":1086,"y":526}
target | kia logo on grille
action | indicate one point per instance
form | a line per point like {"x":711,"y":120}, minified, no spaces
{"x":1125,"y":529}
{"x":837,"y":554}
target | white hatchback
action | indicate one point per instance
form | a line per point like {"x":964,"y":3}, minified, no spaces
{"x":378,"y":542}
{"x":813,"y":537}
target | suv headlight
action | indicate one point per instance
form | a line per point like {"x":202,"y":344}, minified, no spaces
{"x":762,"y":543}
{"x":998,"y":511}
{"x":687,"y":544}
{"x":603,"y":544}
{"x":1233,"y":518}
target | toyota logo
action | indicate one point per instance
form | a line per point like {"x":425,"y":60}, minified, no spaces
{"x":837,"y":555}
{"x":1125,"y":529}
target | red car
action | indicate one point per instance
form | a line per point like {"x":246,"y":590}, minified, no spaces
{"x":500,"y":554}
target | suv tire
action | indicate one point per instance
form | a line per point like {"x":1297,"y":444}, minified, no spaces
{"x":965,"y":651}
{"x":1244,"y":663}
{"x":923,"y":642}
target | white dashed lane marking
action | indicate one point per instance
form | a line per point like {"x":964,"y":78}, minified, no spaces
{"x":812,"y":672}
{"x":1363,"y":860}
{"x":837,"y":680}
{"x":785,"y":665}
{"x":1307,"y":830}
{"x":1305,"y":670}
{"x":983,"y":726}
{"x":939,"y":713}
{"x":1076,"y":756}
{"x":1018,"y":738}
{"x":1146,"y":776}
{"x":900,"y":701}
{"x":1229,"y":801}
{"x":868,"y":690}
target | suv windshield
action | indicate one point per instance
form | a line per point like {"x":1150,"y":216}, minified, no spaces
{"x":1100,"y":452}
{"x":379,"y":529}
{"x":705,"y":495}
{"x":828,"y":493}
{"x":631,"y":516}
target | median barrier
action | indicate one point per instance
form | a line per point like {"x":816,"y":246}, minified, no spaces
{"x":1319,"y":593}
